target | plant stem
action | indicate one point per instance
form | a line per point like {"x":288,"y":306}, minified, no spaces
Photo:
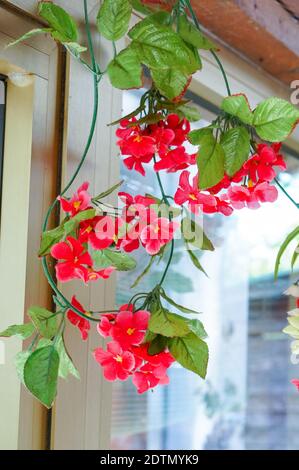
{"x":96,"y":79}
{"x":165,"y":199}
{"x":286,"y":193}
{"x":219,"y":63}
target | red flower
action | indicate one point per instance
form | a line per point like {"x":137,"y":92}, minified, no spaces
{"x":127,"y":129}
{"x":260,"y":166}
{"x":105,"y":273}
{"x":139,"y":147}
{"x":149,"y":376}
{"x":79,"y":202}
{"x":162,"y":359}
{"x":265,"y":192}
{"x":106,"y":231}
{"x":223,"y":184}
{"x":117,"y":364}
{"x":180,"y":127}
{"x":73,"y":258}
{"x":222,"y":206}
{"x":175,"y":160}
{"x":135,"y":162}
{"x":163,"y":137}
{"x":135,"y":206}
{"x":105,"y":325}
{"x":242,"y":196}
{"x":129,"y":328}
{"x":191,"y":194}
{"x":296,"y":383}
{"x":157,"y":234}
{"x":92,"y":230}
{"x":76,"y":320}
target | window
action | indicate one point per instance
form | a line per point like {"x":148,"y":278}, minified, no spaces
{"x":2,"y":122}
{"x":247,"y":401}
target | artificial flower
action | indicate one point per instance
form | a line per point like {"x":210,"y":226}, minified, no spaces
{"x":157,"y":234}
{"x":80,"y":322}
{"x":129,"y":328}
{"x":80,"y":201}
{"x":260,"y":166}
{"x":149,"y":376}
{"x":116,"y":363}
{"x":73,"y":260}
{"x":192,"y":195}
{"x":175,"y":160}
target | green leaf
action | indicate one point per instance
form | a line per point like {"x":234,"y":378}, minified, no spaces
{"x":195,"y":137}
{"x":66,"y":365}
{"x":74,"y":48}
{"x":170,"y":82}
{"x":274,"y":119}
{"x":44,"y":321}
{"x":238,"y":106}
{"x":193,"y":36}
{"x":159,"y":47}
{"x":113,"y":18}
{"x":189,"y":112}
{"x":158,"y":345}
{"x":138,"y":6}
{"x":191,"y":352}
{"x":194,"y":234}
{"x":195,"y":260}
{"x":21,"y":331}
{"x":72,"y":224}
{"x":50,"y":238}
{"x":41,"y":374}
{"x":20,"y":361}
{"x":210,"y":162}
{"x":33,"y":32}
{"x":197,"y":328}
{"x":283,"y":248}
{"x":125,"y":70}
{"x":294,"y":257}
{"x":63,"y":25}
{"x":167,"y":324}
{"x":236,"y":146}
{"x":149,"y":336}
{"x":144,"y":272}
{"x":117,"y":259}
{"x":108,"y":191}
{"x":175,"y":304}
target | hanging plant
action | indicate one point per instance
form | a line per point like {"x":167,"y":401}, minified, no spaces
{"x":238,"y":157}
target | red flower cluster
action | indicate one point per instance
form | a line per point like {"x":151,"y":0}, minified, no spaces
{"x":164,"y":139}
{"x":138,"y":225}
{"x":126,"y":356}
{"x":258,"y":172}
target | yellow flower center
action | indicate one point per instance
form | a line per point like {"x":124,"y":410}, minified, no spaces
{"x":157,"y":229}
{"x":76,"y":259}
{"x":118,"y":358}
{"x":77,"y":204}
{"x":250,"y":184}
{"x":138,"y":138}
{"x":88,"y":229}
{"x":130,"y":331}
{"x":88,"y":314}
{"x":193,"y":197}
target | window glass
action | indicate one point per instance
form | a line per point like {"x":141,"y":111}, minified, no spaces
{"x":247,"y":401}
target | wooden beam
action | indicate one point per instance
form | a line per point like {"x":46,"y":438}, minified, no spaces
{"x":244,"y":28}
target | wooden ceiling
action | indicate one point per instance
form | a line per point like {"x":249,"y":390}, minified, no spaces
{"x":262,"y":30}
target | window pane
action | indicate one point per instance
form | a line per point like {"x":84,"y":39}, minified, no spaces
{"x":247,"y":401}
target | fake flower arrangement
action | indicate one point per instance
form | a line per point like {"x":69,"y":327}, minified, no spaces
{"x":234,"y":166}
